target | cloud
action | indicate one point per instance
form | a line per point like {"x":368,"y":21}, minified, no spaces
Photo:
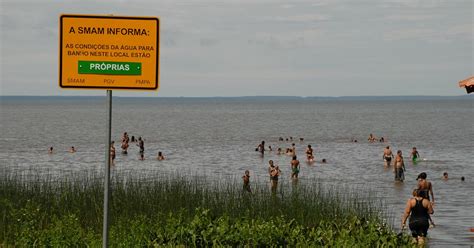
{"x":255,"y":43}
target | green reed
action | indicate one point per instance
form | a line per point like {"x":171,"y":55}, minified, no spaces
{"x":47,"y":207}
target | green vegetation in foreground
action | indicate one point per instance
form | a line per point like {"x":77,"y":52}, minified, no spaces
{"x":170,"y":211}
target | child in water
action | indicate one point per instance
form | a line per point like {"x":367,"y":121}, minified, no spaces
{"x":160,"y":156}
{"x":414,"y":155}
{"x":445,"y":176}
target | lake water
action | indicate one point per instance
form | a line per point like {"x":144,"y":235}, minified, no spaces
{"x":217,"y":137}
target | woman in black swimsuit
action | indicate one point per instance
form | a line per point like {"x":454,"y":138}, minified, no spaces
{"x":419,"y":210}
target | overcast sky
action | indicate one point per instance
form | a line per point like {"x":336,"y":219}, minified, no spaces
{"x":260,"y":47}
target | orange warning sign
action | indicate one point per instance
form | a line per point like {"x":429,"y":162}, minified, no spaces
{"x":109,"y":52}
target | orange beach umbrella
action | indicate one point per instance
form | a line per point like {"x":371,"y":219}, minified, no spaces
{"x":468,"y":83}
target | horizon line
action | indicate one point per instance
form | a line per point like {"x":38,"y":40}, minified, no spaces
{"x":247,"y":96}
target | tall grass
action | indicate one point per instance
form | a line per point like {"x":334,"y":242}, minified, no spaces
{"x":134,"y":197}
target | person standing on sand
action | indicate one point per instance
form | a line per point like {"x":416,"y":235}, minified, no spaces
{"x":419,"y":210}
{"x":399,"y":167}
{"x":246,"y":179}
{"x":295,"y":168}
{"x":387,"y":156}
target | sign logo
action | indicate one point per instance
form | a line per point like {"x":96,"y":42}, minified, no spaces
{"x":109,"y":52}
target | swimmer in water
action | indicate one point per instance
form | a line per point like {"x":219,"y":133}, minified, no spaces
{"x":371,"y":138}
{"x":125,"y":140}
{"x":382,"y":140}
{"x":50,"y":150}
{"x":279,"y":151}
{"x":246,"y":179}
{"x":425,"y":188}
{"x":309,"y":154}
{"x":323,"y":161}
{"x":271,"y":168}
{"x":462,"y":179}
{"x":112,"y":153}
{"x":141,"y":145}
{"x":414,"y":155}
{"x":274,"y":174}
{"x":261,"y":148}
{"x":445,"y":176}
{"x":72,"y":149}
{"x":399,"y":167}
{"x":160,"y":156}
{"x":387,"y":156}
{"x":295,"y":168}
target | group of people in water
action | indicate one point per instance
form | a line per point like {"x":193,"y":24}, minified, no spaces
{"x":419,"y":207}
{"x":274,"y":170}
{"x":399,"y":163}
{"x":140,"y":142}
{"x":125,"y":140}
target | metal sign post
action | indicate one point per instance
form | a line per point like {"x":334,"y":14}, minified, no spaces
{"x":112,"y":53}
{"x":105,"y":231}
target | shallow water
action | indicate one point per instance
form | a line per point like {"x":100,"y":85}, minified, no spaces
{"x":217,"y":137}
